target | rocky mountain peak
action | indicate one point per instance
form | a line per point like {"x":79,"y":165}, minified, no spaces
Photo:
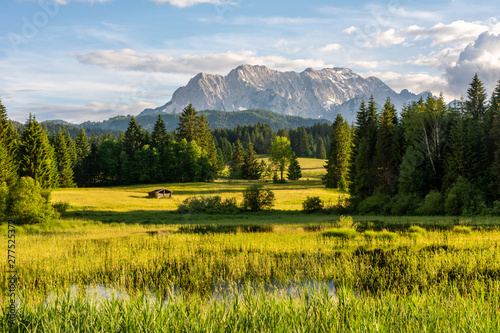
{"x":311,"y":93}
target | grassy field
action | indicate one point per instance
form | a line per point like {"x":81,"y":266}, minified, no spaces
{"x":121,"y":262}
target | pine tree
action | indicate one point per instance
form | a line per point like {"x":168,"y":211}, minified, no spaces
{"x":188,"y":122}
{"x":237,"y":159}
{"x":494,"y":134}
{"x":475,"y":104}
{"x":321,"y":150}
{"x":82,"y":145}
{"x":250,"y":168}
{"x":61,"y":145}
{"x":205,"y":140}
{"x":363,"y":174}
{"x":383,"y":154}
{"x":294,"y":171}
{"x":8,"y":164}
{"x":337,"y":166}
{"x":159,"y":135}
{"x":134,"y":138}
{"x":36,"y":155}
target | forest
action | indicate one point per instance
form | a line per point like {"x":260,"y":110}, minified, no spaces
{"x":430,"y":159}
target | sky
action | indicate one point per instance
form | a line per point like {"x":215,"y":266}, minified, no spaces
{"x":81,"y":60}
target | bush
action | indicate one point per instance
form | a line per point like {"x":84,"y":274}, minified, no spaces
{"x":4,"y":195}
{"x":464,"y":199}
{"x":312,"y":204}
{"x":256,"y":198}
{"x":383,"y":235}
{"x":433,"y":204}
{"x":61,"y":207}
{"x":461,"y":229}
{"x":376,"y":204}
{"x":28,"y":204}
{"x":208,"y":205}
{"x":342,"y":233}
{"x":416,"y":230}
{"x":346,"y":222}
{"x":404,"y":204}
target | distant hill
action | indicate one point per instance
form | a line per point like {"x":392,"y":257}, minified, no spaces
{"x":217,"y":120}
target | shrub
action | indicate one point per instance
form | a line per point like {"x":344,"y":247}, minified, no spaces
{"x":464,"y":199}
{"x":208,"y":205}
{"x":341,"y":233}
{"x":462,"y":229}
{"x":433,"y":204}
{"x":346,"y":222}
{"x":28,"y":204}
{"x":416,"y":230}
{"x":256,"y":198}
{"x":4,"y":194}
{"x":376,"y":204}
{"x":61,"y":207}
{"x":404,"y":204}
{"x":383,"y":235}
{"x":312,"y":204}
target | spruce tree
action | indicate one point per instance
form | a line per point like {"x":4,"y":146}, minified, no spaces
{"x":383,"y":154}
{"x":8,"y":163}
{"x":494,"y":134}
{"x":36,"y":155}
{"x":363,"y":175}
{"x":134,"y":138}
{"x":82,"y":145}
{"x":237,"y":159}
{"x":188,"y":123}
{"x":320,"y":149}
{"x":294,"y":171}
{"x":337,"y":166}
{"x":250,"y":169}
{"x":159,"y":135}
{"x":476,"y":94}
{"x":61,"y":145}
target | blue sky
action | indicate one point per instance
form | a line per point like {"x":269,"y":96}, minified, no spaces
{"x":81,"y":60}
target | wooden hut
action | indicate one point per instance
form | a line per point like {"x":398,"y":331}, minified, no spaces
{"x":160,"y":193}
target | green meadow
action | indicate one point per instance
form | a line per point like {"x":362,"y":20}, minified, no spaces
{"x":119,"y":261}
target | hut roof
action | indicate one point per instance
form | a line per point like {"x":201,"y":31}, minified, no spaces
{"x":164,"y":190}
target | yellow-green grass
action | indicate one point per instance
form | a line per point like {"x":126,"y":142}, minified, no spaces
{"x":312,"y":168}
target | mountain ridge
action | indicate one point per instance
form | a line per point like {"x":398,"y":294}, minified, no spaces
{"x":311,"y":93}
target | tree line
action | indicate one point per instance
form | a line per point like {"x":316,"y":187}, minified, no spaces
{"x":432,"y":159}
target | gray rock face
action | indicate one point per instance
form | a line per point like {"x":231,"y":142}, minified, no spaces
{"x":311,"y":93}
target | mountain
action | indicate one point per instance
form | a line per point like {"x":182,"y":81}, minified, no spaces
{"x":311,"y":93}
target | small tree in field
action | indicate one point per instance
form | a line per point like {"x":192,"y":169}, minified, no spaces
{"x":280,"y":153}
{"x":256,"y":198}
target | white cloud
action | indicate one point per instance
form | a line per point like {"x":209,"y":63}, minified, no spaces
{"x":187,"y":3}
{"x":350,"y":30}
{"x":415,"y":82}
{"x":365,"y":64}
{"x":384,"y":39}
{"x":458,"y":33}
{"x":436,"y":59}
{"x":481,"y":57}
{"x":330,"y":48}
{"x":286,"y":46}
{"x":210,"y":63}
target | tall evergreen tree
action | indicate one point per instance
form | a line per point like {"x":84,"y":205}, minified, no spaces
{"x":337,"y":166}
{"x":237,"y":159}
{"x":476,"y":94}
{"x":134,"y":138}
{"x":8,"y":164}
{"x":250,"y":168}
{"x":294,"y":171}
{"x":363,"y":174}
{"x":82,"y":145}
{"x":159,"y":135}
{"x":36,"y":155}
{"x":63,"y":158}
{"x":494,"y":134}
{"x":320,"y":149}
{"x":384,"y":145}
{"x":188,"y":123}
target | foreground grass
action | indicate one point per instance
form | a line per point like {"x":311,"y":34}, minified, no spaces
{"x":447,"y":311}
